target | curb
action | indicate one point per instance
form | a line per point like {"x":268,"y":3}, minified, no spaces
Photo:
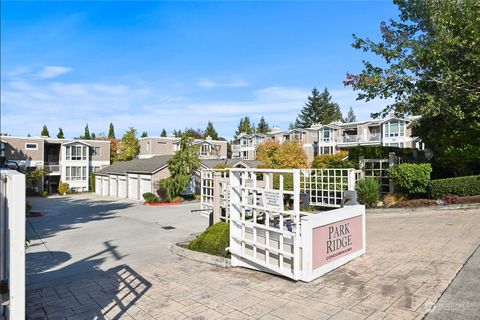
{"x":199,"y":256}
{"x":161,"y":204}
{"x":445,"y":207}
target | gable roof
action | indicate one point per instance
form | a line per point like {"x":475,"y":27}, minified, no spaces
{"x":212,"y":163}
{"x":148,"y":166}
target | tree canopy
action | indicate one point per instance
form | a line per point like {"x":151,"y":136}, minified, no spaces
{"x":350,"y":116}
{"x":210,"y":131}
{"x":319,"y":108}
{"x":129,"y":147}
{"x":245,"y":126}
{"x":289,"y":155}
{"x":182,"y":166}
{"x":60,"y":134}
{"x":262,"y":126}
{"x":431,"y":68}
{"x":111,"y":131}
{"x":144,"y":134}
{"x":164,"y":133}
{"x":45,"y":132}
{"x":86,"y":134}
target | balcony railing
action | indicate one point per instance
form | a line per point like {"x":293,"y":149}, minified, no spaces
{"x":374,"y":137}
{"x":349,"y":138}
{"x":53,"y":168}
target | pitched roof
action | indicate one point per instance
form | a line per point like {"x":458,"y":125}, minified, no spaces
{"x":149,"y":166}
{"x":211,"y":163}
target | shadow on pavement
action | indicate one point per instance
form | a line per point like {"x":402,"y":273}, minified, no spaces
{"x":80,"y":289}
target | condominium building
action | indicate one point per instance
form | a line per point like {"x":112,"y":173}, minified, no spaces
{"x":334,"y":137}
{"x":66,"y":160}
{"x":162,"y":146}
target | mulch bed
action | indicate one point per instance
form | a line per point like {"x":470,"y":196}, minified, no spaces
{"x":417,"y":203}
{"x":161,"y":204}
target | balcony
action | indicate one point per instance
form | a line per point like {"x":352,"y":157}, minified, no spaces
{"x":374,"y":137}
{"x":349,"y":138}
{"x":53,"y":169}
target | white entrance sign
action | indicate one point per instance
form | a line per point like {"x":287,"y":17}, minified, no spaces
{"x":272,"y":199}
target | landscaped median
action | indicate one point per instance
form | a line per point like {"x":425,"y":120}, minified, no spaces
{"x":211,"y":246}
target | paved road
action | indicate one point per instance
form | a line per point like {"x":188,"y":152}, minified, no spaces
{"x":117,"y":257}
{"x":85,"y":233}
{"x":461,"y":300}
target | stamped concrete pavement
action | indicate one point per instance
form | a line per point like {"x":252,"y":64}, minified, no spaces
{"x":411,"y":259}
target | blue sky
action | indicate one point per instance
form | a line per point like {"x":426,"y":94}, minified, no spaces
{"x":154,"y":65}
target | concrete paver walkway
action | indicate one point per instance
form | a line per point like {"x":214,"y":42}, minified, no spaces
{"x":411,"y":259}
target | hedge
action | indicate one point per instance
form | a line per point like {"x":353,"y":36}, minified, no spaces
{"x":214,"y":240}
{"x":380,"y":152}
{"x":461,"y":186}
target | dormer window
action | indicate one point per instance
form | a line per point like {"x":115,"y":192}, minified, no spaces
{"x":205,"y":149}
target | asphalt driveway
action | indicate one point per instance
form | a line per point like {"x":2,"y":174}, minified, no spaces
{"x":86,"y":233}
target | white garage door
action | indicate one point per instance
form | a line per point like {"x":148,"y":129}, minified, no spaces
{"x":98,"y":185}
{"x":113,"y":186}
{"x":122,"y":187}
{"x":145,"y":185}
{"x":104,"y":186}
{"x":133,"y":188}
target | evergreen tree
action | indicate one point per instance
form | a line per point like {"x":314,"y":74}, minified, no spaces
{"x":210,"y":132}
{"x":350,"y":116}
{"x":93,"y":136}
{"x":318,"y":109}
{"x":28,"y":135}
{"x":244,"y":126}
{"x":45,"y":132}
{"x":86,"y":135}
{"x":164,"y":133}
{"x":144,"y":134}
{"x":111,"y":132}
{"x":129,"y":147}
{"x":263,"y":126}
{"x":60,"y":134}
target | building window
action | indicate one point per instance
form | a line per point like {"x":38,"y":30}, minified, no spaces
{"x":76,"y":153}
{"x":326,"y":150}
{"x":31,"y":146}
{"x":73,"y":173}
{"x":245,"y":155}
{"x":96,"y":151}
{"x":298,"y":136}
{"x":327,"y":134}
{"x":205,"y":149}
{"x":394,"y":128}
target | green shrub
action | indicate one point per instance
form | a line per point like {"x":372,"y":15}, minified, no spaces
{"x":368,"y":191}
{"x":461,"y":186}
{"x":324,"y":160}
{"x":381,"y":152}
{"x":214,"y":240}
{"x":150,"y":197}
{"x":63,"y":188}
{"x":410,"y":178}
{"x":92,"y":182}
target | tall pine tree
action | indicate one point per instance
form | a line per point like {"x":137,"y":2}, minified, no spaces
{"x":60,"y":134}
{"x":164,"y":133}
{"x":144,"y":134}
{"x":210,"y":132}
{"x":86,"y":135}
{"x":245,"y":126}
{"x":45,"y":132}
{"x":319,"y":108}
{"x":111,"y":131}
{"x":263,"y":126}
{"x":350,"y":116}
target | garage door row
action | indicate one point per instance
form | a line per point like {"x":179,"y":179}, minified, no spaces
{"x":131,"y":186}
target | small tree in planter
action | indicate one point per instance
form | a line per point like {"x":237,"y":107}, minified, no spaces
{"x":63,"y":188}
{"x":181,"y":166}
{"x":33,"y":177}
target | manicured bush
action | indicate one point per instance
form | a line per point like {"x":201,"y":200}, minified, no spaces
{"x":324,"y":160}
{"x":461,"y":186}
{"x":214,"y":240}
{"x":368,"y":191}
{"x":410,"y":178}
{"x":63,"y":188}
{"x":150,"y":197}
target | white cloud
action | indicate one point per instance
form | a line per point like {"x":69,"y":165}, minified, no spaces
{"x":210,"y":84}
{"x":49,"y":72}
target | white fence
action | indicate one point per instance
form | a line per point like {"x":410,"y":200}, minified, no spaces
{"x":269,"y":232}
{"x":12,"y":242}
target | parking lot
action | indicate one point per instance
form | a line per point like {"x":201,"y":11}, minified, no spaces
{"x":97,"y":258}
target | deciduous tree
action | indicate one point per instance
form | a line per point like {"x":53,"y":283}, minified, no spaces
{"x":430,"y":67}
{"x":129,"y":147}
{"x":288,"y":155}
